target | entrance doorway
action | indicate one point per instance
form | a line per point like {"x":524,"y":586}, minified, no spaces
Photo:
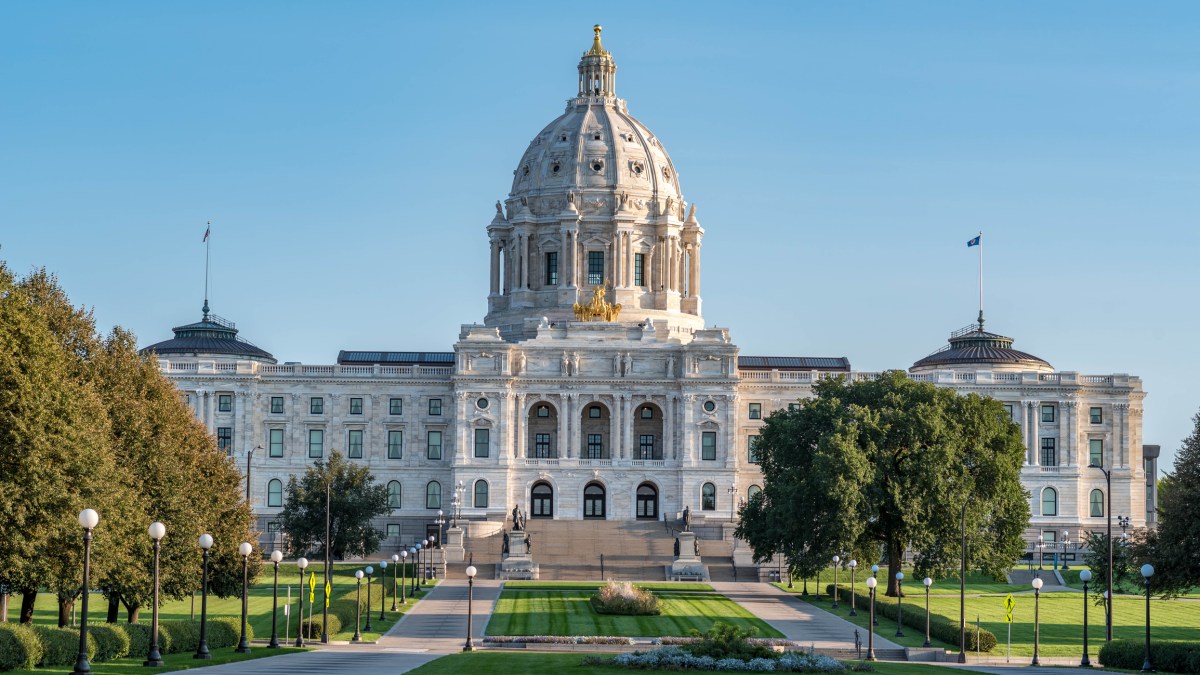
{"x":647,"y":502}
{"x":542,"y":497}
{"x":593,"y":501}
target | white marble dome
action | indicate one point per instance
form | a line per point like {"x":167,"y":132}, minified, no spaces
{"x":596,"y":148}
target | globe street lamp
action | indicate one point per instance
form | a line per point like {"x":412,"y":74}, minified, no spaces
{"x":424,"y":559}
{"x":403,"y":572}
{"x":1040,"y":544}
{"x":853,"y":565}
{"x":245,"y":549}
{"x":382,"y":590}
{"x":928,"y":582}
{"x":206,"y":542}
{"x":302,"y":564}
{"x":874,"y":575}
{"x":871,"y":583}
{"x":396,"y":587}
{"x":733,"y":504}
{"x":276,"y":557}
{"x":368,"y":572}
{"x":1037,"y":594}
{"x":899,"y":602}
{"x":836,"y":560}
{"x":1085,"y":576}
{"x":1108,"y":513}
{"x":154,"y":658}
{"x":470,"y":646}
{"x":432,"y":557}
{"x":1123,"y":521}
{"x":412,"y":552}
{"x":417,"y":567}
{"x":1066,"y":537}
{"x":440,"y":521}
{"x":88,"y":520}
{"x":358,"y":574}
{"x":1147,"y":572}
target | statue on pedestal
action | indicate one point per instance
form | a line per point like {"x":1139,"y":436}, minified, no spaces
{"x":687,"y":519}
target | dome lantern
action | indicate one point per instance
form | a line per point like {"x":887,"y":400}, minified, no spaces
{"x":597,"y":71}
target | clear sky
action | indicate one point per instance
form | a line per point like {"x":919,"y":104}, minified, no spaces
{"x":840,"y":155}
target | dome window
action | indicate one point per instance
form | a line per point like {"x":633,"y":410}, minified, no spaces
{"x":597,"y":165}
{"x":666,"y":173}
{"x":596,"y":136}
{"x":554,"y":168}
{"x":525,"y":171}
{"x":562,"y":138}
{"x":638,"y":168}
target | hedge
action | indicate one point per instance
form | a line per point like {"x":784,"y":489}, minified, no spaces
{"x":61,"y":645}
{"x":940,"y":627}
{"x":139,"y":639}
{"x":112,"y":642}
{"x":183,"y":635}
{"x":312,"y":627}
{"x":226,"y":631}
{"x":19,"y":647}
{"x":1169,"y":656}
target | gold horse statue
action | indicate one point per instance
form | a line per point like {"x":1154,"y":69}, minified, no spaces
{"x":598,"y":308}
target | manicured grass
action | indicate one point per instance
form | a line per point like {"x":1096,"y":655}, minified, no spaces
{"x":502,"y":663}
{"x":174,"y":662}
{"x":592,"y":585}
{"x":976,"y":583}
{"x":568,"y":612}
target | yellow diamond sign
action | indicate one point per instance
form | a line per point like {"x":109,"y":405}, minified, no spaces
{"x":1009,"y":605}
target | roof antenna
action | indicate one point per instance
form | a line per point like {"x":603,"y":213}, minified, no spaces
{"x":207,"y":231}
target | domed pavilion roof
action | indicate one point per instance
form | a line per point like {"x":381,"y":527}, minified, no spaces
{"x":974,"y":348}
{"x":211,"y":337}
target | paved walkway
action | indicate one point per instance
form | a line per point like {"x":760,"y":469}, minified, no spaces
{"x":796,"y":620}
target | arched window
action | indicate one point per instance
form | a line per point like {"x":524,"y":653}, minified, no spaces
{"x":394,"y":494}
{"x":751,"y":491}
{"x":481,"y":494}
{"x":1097,"y":504}
{"x":708,"y":497}
{"x":433,"y":495}
{"x":1049,"y":502}
{"x":275,"y":492}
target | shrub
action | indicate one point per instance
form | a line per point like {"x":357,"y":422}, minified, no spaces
{"x":226,"y":631}
{"x":139,"y":639}
{"x":1171,"y":656}
{"x":940,"y":627}
{"x":61,"y":645}
{"x":723,"y":641}
{"x":19,"y":647}
{"x":111,"y":641}
{"x":626,"y":599}
{"x":312,"y":627}
{"x":184,"y":635}
{"x":800,"y":662}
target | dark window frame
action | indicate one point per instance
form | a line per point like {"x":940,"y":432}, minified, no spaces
{"x":435,"y":407}
{"x":595,"y":268}
{"x":225,"y":439}
{"x":708,"y":446}
{"x":754,"y":411}
{"x":319,"y":445}
{"x":552,"y":268}
{"x":485,"y":443}
{"x":708,"y":497}
{"x":354,"y":448}
{"x":639,"y":269}
{"x":356,"y":406}
{"x":430,"y":445}
{"x":395,"y":406}
{"x":276,"y":409}
{"x":270,"y":494}
{"x":224,"y":402}
{"x":272,"y":445}
{"x":395,"y":450}
{"x":316,"y":405}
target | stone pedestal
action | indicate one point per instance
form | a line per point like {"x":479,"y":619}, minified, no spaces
{"x":517,"y":562}
{"x":455,"y":551}
{"x":687,"y":565}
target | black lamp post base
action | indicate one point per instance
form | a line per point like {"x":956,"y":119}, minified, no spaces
{"x":927,"y":643}
{"x":202,"y":652}
{"x":367,"y":627}
{"x":274,"y":644}
{"x":154,"y":663}
{"x":899,"y":633}
{"x":468,"y":647}
{"x":852,"y":612}
{"x":242,"y":648}
{"x":82,"y":668}
{"x":357,"y":637}
{"x":1147,"y":668}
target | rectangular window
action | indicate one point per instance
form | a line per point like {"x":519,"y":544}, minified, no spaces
{"x":316,"y":443}
{"x":1096,"y":415}
{"x":1047,"y":413}
{"x":793,"y":407}
{"x":595,"y":268}
{"x":275,"y":443}
{"x":756,"y":411}
{"x":393,"y":529}
{"x":225,"y":403}
{"x":354,"y":443}
{"x":225,"y":439}
{"x":395,"y":406}
{"x":433,"y":445}
{"x":1095,"y":452}
{"x":435,"y":406}
{"x":1049,"y":456}
{"x":594,"y":412}
{"x":595,"y":446}
{"x":274,"y":527}
{"x":1008,"y":408}
{"x":395,"y":444}
{"x":316,"y":405}
{"x":646,"y":446}
{"x":551,"y":269}
{"x":752,"y":449}
{"x":356,"y":406}
{"x":276,"y":405}
{"x":639,"y":269}
{"x":482,"y":442}
{"x":541,"y":446}
{"x":708,"y":445}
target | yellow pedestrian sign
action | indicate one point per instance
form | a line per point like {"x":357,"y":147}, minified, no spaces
{"x":328,"y":590}
{"x":1009,"y":605}
{"x":312,"y":588}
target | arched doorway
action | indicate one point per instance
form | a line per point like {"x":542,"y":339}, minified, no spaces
{"x":543,"y":427}
{"x":647,"y":502}
{"x":542,"y":498}
{"x":647,"y":432}
{"x":593,"y":501}
{"x":594,"y":425}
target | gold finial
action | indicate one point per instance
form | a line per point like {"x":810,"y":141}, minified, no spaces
{"x":597,"y":49}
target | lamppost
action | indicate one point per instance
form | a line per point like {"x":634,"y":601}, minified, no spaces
{"x":249,"y":454}
{"x":382,"y":590}
{"x":962,"y":593}
{"x":88,"y":519}
{"x":440,"y":521}
{"x":1123,"y":521}
{"x":396,"y":587}
{"x":412,"y":552}
{"x":358,"y":574}
{"x":205,"y":542}
{"x":424,"y":559}
{"x":836,"y":560}
{"x":470,"y":646}
{"x":1108,"y":513}
{"x":1066,"y":537}
{"x":1037,"y":594}
{"x":245,"y":549}
{"x":368,"y":572}
{"x":327,"y":573}
{"x":899,"y":602}
{"x":1085,"y":576}
{"x":871,"y":583}
{"x":432,"y":562}
{"x":460,"y":489}
{"x":928,"y":582}
{"x":154,"y":658}
{"x":403,"y":571}
{"x":1147,"y":572}
{"x":874,"y":575}
{"x":1040,"y":544}
{"x":302,"y":564}
{"x":276,"y":558}
{"x":853,"y":566}
{"x":733,"y":503}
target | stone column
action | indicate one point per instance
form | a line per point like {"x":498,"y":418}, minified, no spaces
{"x":614,"y":428}
{"x":687,"y":434}
{"x":576,"y":425}
{"x":626,"y":427}
{"x":495,"y":267}
{"x":564,"y":427}
{"x":460,"y":439}
{"x":562,"y":259}
{"x":695,"y":272}
{"x":525,"y":260}
{"x":518,"y":449}
{"x":629,"y":259}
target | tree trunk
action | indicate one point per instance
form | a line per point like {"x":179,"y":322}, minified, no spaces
{"x":114,"y":607}
{"x":894,"y":561}
{"x":3,"y":607}
{"x":28,"y":597}
{"x":64,"y":611}
{"x":132,"y":613}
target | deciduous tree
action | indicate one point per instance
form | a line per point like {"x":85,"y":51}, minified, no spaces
{"x":1174,"y":546}
{"x":355,"y":499}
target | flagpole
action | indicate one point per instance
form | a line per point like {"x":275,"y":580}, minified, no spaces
{"x":981,"y":280}
{"x":207,"y":245}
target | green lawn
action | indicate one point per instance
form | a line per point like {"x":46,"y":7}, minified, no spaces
{"x":174,"y":663}
{"x":976,"y":583}
{"x":503,"y":663}
{"x":568,"y":612}
{"x":591,"y":585}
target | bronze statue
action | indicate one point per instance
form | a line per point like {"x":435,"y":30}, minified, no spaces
{"x":687,"y":519}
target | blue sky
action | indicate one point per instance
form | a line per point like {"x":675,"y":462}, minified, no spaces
{"x":840,"y":156}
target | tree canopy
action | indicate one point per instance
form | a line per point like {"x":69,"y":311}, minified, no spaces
{"x":1174,"y":546}
{"x":868,"y":468}
{"x":355,"y":499}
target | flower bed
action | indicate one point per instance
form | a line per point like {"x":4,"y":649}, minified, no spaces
{"x":625,"y":599}
{"x":676,"y":658}
{"x":558,"y":639}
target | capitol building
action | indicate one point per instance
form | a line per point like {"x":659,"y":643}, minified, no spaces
{"x":592,"y":388}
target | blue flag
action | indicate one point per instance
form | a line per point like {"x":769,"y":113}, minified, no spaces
{"x":974,"y":242}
